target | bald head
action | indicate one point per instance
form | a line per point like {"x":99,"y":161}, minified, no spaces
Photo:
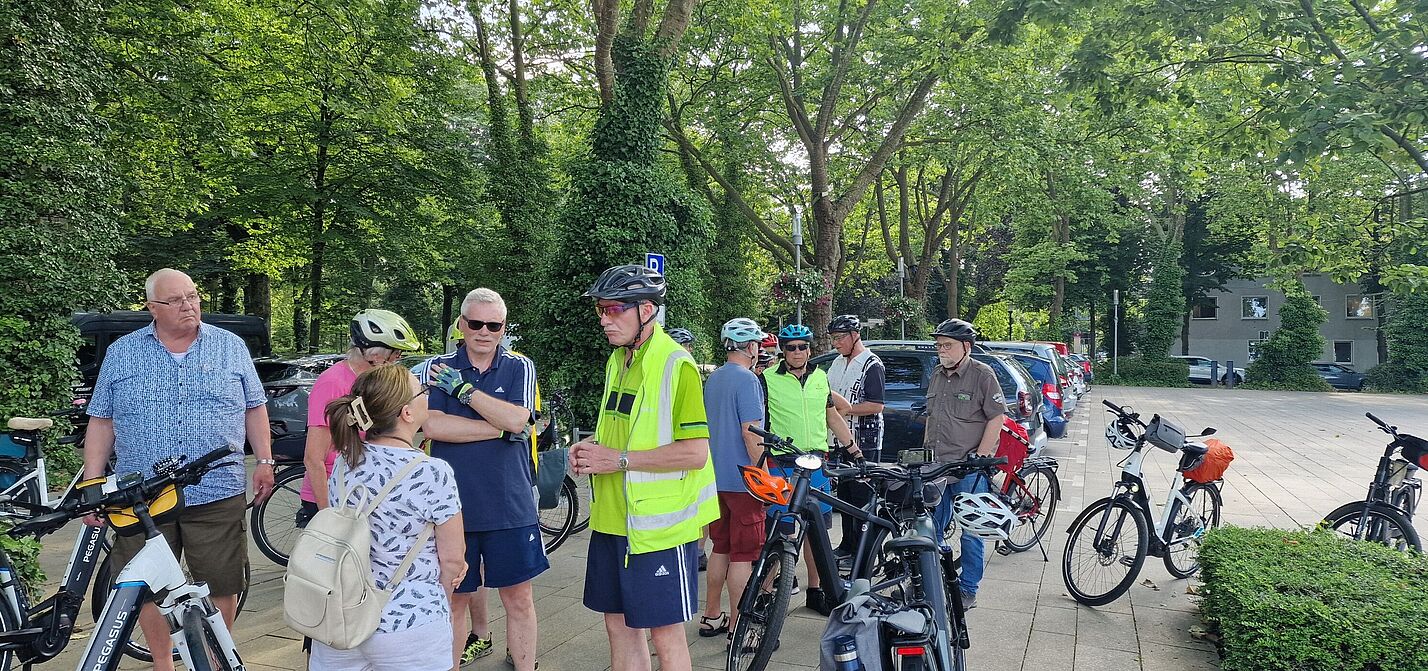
{"x":165,"y":283}
{"x":173,"y":301}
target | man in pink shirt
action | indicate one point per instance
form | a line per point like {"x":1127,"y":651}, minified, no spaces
{"x":379,"y":338}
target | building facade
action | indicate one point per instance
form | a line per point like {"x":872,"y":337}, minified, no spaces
{"x":1231,"y":323}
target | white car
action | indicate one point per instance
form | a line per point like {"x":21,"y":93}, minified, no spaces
{"x":1200,"y":370}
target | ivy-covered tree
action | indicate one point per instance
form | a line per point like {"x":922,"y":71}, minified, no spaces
{"x":1407,"y":365}
{"x":1284,"y":359}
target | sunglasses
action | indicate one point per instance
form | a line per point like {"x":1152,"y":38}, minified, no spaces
{"x":795,"y":348}
{"x":476,"y":324}
{"x":613,"y":311}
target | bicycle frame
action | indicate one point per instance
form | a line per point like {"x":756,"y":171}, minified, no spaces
{"x":155,"y":571}
{"x":45,"y":629}
{"x":1132,"y":486}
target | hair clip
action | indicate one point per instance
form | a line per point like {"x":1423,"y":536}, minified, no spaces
{"x":360,"y":417}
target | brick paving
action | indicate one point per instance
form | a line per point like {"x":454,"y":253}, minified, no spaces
{"x":1299,"y":455}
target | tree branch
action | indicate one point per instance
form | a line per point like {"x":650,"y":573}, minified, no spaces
{"x":910,"y":109}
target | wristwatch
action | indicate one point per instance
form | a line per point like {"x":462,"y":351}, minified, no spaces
{"x":625,"y":460}
{"x":267,"y":462}
{"x":465,"y":397}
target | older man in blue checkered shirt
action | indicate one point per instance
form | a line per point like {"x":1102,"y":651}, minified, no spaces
{"x":182,"y":387}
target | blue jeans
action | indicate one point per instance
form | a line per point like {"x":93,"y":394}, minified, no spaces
{"x":973,"y":551}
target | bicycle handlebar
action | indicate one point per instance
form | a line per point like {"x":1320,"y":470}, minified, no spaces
{"x":908,"y":473}
{"x":1384,"y":426}
{"x":75,"y":507}
{"x":1120,"y":411}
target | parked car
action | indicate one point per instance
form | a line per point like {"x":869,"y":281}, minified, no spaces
{"x":908,"y":369}
{"x":288,"y":383}
{"x":1085,"y":364}
{"x":1200,"y":370}
{"x":1340,"y":376}
{"x":1049,"y":352}
{"x":1044,"y":374}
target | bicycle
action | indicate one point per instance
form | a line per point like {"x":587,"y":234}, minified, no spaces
{"x":202,"y":639}
{"x":1189,"y":512}
{"x":274,"y":521}
{"x":1386,"y":514}
{"x":30,"y":487}
{"x":560,"y":522}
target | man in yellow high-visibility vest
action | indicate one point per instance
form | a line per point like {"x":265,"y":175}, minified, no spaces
{"x":652,"y":482}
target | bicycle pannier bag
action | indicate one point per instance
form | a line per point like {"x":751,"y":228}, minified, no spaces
{"x":1415,"y":450}
{"x":550,"y":475}
{"x":862,"y":618}
{"x":1014,"y":445}
{"x":1164,"y":434}
{"x":1217,"y":461}
{"x":329,"y":594}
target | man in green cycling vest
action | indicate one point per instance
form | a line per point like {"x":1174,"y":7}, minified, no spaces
{"x":652,"y":482}
{"x":800,"y":405}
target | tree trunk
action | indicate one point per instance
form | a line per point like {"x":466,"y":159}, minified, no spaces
{"x":448,"y":303}
{"x":954,"y":278}
{"x":1091,"y":332}
{"x":300,"y":299}
{"x":317,"y":232}
{"x":1185,"y":334}
{"x":258,"y":296}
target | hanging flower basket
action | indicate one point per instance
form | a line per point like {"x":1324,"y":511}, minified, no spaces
{"x":808,"y":288}
{"x":899,"y":308}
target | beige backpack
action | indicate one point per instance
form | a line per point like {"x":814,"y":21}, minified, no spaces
{"x":328,"y":593}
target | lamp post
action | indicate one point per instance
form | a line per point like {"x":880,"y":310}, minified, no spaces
{"x":901,"y":290}
{"x":1116,"y":334}
{"x":798,"y":262}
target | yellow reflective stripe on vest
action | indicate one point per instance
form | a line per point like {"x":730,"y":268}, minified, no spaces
{"x":666,"y":423}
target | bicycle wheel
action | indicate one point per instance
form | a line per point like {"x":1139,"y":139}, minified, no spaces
{"x":1383,"y":524}
{"x":1105,"y":552}
{"x":274,"y":521}
{"x":1182,"y":560}
{"x":756,"y":634}
{"x":558,"y":523}
{"x":10,"y":611}
{"x":137,"y":647}
{"x":1035,"y":493}
{"x":197,"y":643}
{"x":582,"y":493}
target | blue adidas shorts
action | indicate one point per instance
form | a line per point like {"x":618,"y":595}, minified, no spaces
{"x":503,"y":558}
{"x":655,"y":589}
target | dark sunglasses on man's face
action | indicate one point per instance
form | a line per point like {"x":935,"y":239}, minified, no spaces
{"x":476,"y":324}
{"x":795,"y":348}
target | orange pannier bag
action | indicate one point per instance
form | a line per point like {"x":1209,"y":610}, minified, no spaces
{"x":1217,"y":461}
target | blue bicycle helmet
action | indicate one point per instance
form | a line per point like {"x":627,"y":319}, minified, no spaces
{"x":795,"y":332}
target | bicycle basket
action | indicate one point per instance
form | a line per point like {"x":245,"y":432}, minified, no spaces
{"x":164,"y":508}
{"x":1165,"y":434}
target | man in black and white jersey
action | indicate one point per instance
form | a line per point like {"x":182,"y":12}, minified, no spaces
{"x":857,"y":375}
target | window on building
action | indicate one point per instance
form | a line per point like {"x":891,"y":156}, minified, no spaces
{"x":1254,"y":346}
{"x":1358,"y":306}
{"x":1254,"y":307}
{"x":1206,"y":308}
{"x":1264,"y":335}
{"x":1343,"y":351}
{"x":1318,"y":302}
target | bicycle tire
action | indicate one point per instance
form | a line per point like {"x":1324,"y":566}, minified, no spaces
{"x":10,"y":618}
{"x":1036,"y":507}
{"x":1109,"y":553}
{"x":192,"y":632}
{"x":99,"y":596}
{"x":1386,"y":525}
{"x":29,"y":493}
{"x":582,"y":516}
{"x":274,"y":520}
{"x":558,"y":523}
{"x":756,"y":634}
{"x":1184,"y":561}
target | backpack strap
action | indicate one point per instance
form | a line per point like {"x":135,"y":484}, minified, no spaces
{"x":391,"y":484}
{"x":408,"y":560}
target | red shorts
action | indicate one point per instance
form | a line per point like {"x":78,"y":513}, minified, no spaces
{"x":739,"y":531}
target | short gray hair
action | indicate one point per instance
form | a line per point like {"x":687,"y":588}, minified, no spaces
{"x":153,"y":280}
{"x":483,"y":295}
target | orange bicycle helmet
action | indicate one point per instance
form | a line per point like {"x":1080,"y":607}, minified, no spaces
{"x":766,"y":486}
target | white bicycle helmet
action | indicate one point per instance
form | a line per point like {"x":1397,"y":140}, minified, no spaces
{"x":740,"y":330}
{"x":1119,"y":435}
{"x":984,"y":515}
{"x":383,"y":328}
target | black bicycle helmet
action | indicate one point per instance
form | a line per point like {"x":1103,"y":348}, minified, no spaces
{"x":956,"y":329}
{"x":628,"y":284}
{"x":845,"y":324}
{"x":682,"y":336}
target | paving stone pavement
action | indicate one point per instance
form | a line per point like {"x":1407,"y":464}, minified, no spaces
{"x":1299,"y":455}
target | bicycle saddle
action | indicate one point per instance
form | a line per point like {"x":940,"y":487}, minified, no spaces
{"x":1195,"y":449}
{"x":29,"y":424}
{"x":1191,"y":456}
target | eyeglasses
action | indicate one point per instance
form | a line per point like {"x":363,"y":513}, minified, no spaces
{"x":948,"y":346}
{"x":424,"y":391}
{"x":840,"y":336}
{"x":476,"y":324}
{"x":613,"y":311}
{"x":192,"y":298}
{"x":380,"y":356}
{"x":795,"y":348}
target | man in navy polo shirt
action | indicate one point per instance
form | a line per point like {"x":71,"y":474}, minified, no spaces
{"x":480,"y":424}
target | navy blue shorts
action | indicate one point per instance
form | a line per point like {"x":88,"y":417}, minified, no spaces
{"x":656,"y":589}
{"x":503,"y":558}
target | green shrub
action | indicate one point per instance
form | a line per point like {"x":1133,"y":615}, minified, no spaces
{"x":1314,"y":601}
{"x":1283,"y":361}
{"x":1407,"y":365}
{"x":1165,"y":305}
{"x":1138,"y":371}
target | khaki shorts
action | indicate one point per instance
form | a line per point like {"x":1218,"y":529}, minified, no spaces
{"x":211,"y":539}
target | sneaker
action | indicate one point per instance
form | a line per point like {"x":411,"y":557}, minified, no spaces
{"x":512,"y":662}
{"x":969,"y":601}
{"x":819,"y":602}
{"x":475,"y":649}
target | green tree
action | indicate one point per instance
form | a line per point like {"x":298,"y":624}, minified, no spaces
{"x":1407,"y":365}
{"x":1284,"y":359}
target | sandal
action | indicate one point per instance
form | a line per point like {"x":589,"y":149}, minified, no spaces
{"x":707,"y":628}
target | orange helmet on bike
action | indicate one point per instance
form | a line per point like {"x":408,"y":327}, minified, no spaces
{"x":766,"y":486}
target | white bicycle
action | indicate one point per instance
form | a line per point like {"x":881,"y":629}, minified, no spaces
{"x":132,"y":501}
{"x":1111,"y":537}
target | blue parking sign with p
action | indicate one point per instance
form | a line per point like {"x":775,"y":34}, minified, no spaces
{"x":654,"y":262}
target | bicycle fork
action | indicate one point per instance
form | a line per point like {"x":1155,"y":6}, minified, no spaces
{"x":1103,"y":541}
{"x":211,"y":620}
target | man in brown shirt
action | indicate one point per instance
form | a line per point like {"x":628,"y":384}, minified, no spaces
{"x":964,"y":415}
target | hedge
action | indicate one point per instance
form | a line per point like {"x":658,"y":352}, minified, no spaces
{"x":1314,"y":601}
{"x":1142,"y":372}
